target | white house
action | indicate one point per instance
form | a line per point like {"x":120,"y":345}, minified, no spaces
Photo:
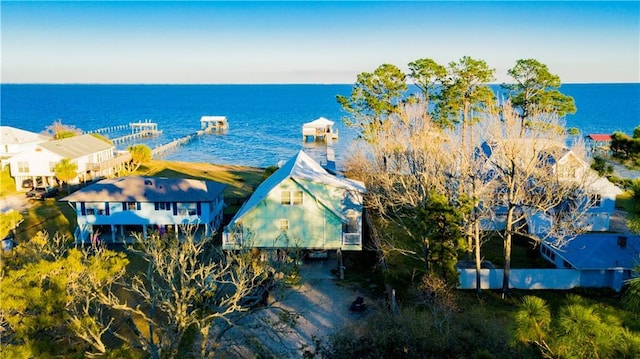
{"x":300,"y":205}
{"x":599,"y":192}
{"x":37,"y":164}
{"x":114,"y":208}
{"x":15,"y":140}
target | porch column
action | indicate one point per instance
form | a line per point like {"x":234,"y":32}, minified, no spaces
{"x":113,"y":233}
{"x":144,"y":231}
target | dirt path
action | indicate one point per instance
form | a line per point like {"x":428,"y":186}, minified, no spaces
{"x":321,"y":306}
{"x":16,"y":202}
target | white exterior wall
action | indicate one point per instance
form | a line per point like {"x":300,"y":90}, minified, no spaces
{"x":147,"y":215}
{"x":39,"y":161}
{"x":544,"y":278}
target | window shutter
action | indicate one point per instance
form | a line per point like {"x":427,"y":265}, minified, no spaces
{"x":175,"y":208}
{"x":106,"y":208}
{"x":198,"y":208}
{"x":124,"y":206}
{"x":156,"y":205}
{"x":83,"y":210}
{"x":138,"y":205}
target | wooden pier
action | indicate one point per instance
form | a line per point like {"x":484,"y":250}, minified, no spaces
{"x":175,"y":143}
{"x":109,"y":129}
{"x":208,"y":124}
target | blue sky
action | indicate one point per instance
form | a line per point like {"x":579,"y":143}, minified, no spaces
{"x":309,"y":42}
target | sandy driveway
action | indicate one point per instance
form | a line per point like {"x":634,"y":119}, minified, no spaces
{"x":18,"y":202}
{"x":321,"y":304}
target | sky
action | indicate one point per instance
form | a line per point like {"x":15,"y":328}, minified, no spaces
{"x":239,"y":42}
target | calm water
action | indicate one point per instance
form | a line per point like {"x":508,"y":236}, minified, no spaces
{"x":265,"y":120}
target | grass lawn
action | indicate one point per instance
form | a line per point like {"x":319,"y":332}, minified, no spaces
{"x":624,"y":201}
{"x":7,"y":184}
{"x":49,"y":215}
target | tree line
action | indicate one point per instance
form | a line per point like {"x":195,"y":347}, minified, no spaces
{"x":442,"y":162}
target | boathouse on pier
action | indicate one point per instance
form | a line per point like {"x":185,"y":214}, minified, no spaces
{"x":320,"y":129}
{"x":213,"y":123}
{"x":146,"y":128}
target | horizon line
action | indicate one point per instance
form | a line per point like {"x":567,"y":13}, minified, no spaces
{"x":265,"y":83}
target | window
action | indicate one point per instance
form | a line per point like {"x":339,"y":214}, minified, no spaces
{"x":101,"y":212}
{"x":285,"y":198}
{"x":188,"y":209}
{"x":284,"y":224}
{"x":297,"y":198}
{"x":596,"y":200}
{"x":23,"y":167}
{"x":291,"y":198}
{"x":163,"y":206}
{"x":91,"y":211}
{"x":130,"y":206}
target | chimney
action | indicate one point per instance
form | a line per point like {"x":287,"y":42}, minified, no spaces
{"x":622,"y":241}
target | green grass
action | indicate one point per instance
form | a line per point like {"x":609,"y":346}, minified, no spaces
{"x":49,"y":215}
{"x":241,"y":180}
{"x":624,"y":201}
{"x":523,"y":253}
{"x":7,"y":183}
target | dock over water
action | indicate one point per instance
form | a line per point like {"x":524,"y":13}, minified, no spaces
{"x":319,"y":130}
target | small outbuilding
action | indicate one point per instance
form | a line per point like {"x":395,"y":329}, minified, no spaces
{"x":213,"y":123}
{"x":320,"y":129}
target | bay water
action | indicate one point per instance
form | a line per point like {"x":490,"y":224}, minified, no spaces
{"x":265,"y":121}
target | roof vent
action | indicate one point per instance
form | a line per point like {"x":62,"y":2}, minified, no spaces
{"x":622,"y":241}
{"x":148,"y":182}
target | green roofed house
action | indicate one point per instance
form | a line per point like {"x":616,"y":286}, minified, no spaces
{"x":300,"y":206}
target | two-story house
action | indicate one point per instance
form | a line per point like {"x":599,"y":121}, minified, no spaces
{"x":113,"y":209}
{"x":599,"y":193}
{"x":302,"y":206}
{"x":14,"y":140}
{"x":37,"y":164}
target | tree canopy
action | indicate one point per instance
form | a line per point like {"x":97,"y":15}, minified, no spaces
{"x":536,"y":90}
{"x":374,"y":97}
{"x":66,"y":170}
{"x":140,"y":154}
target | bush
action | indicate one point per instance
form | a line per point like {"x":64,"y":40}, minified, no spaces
{"x":418,"y":334}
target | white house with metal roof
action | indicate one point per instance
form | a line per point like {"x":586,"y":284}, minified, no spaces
{"x":114,"y":208}
{"x":37,"y":164}
{"x":300,"y":206}
{"x":15,"y":140}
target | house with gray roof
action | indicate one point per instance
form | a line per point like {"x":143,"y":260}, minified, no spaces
{"x":37,"y":164}
{"x":302,"y":206}
{"x":112,"y":209}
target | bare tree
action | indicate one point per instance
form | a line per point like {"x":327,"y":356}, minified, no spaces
{"x":404,"y":171}
{"x":527,"y":182}
{"x":189,"y":286}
